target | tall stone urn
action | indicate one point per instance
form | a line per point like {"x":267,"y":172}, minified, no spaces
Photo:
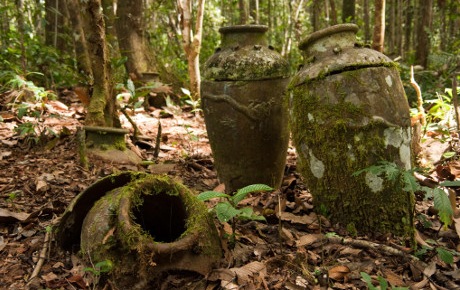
{"x":242,"y":99}
{"x":348,"y":111}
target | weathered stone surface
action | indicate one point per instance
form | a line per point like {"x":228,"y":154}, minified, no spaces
{"x":348,"y":111}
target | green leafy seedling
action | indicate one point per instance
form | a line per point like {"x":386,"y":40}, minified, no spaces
{"x":100,"y":268}
{"x":383,"y":284}
{"x":228,"y":210}
{"x":396,"y":175}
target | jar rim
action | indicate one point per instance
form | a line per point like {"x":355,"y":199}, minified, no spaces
{"x":244,"y":28}
{"x":347,"y":27}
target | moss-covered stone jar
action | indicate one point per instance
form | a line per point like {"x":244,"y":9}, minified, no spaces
{"x":242,"y":100}
{"x":145,"y":225}
{"x":348,"y":112}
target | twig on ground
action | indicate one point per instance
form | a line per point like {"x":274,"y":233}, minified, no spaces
{"x":41,"y":257}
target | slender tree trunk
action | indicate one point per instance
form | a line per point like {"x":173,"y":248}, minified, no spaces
{"x":192,"y":43}
{"x":130,"y":33}
{"x":399,"y":28}
{"x":54,"y":27}
{"x":20,"y":19}
{"x":408,"y":19}
{"x":423,"y":32}
{"x":454,"y":22}
{"x":348,"y":10}
{"x":366,"y":18}
{"x":255,"y":11}
{"x":379,"y":26}
{"x":315,"y":14}
{"x":81,"y":49}
{"x":390,"y":28}
{"x":443,"y":18}
{"x":101,"y":110}
{"x":244,"y":11}
{"x":333,"y":12}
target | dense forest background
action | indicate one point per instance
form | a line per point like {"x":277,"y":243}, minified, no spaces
{"x":43,"y":40}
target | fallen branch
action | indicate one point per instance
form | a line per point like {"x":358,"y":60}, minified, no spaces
{"x":41,"y":257}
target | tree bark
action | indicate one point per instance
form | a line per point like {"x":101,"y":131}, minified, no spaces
{"x":399,"y":27}
{"x":333,"y":12}
{"x":366,"y":18}
{"x":192,"y":43}
{"x":81,"y":48}
{"x":391,"y":27}
{"x":255,"y":11}
{"x":348,"y":10}
{"x":54,"y":27}
{"x":315,"y":14}
{"x":379,"y":26}
{"x":423,"y":32}
{"x":408,"y":19}
{"x":244,"y":11}
{"x":130,"y":33}
{"x":101,"y":110}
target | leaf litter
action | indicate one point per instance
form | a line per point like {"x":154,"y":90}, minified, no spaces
{"x":294,"y":249}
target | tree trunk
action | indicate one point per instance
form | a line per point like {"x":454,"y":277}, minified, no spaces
{"x":423,"y":32}
{"x":130,"y":33}
{"x":81,"y":49}
{"x":408,"y":19}
{"x":20,"y":19}
{"x":192,"y":43}
{"x":244,"y":11}
{"x":391,"y":27}
{"x":379,"y":26}
{"x":443,"y":18}
{"x":399,"y":28}
{"x":101,"y":110}
{"x":54,"y":27}
{"x":366,"y":18}
{"x":255,"y":11}
{"x":348,"y":10}
{"x":315,"y":14}
{"x":333,"y":12}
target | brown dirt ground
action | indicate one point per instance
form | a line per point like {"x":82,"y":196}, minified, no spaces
{"x":38,"y":182}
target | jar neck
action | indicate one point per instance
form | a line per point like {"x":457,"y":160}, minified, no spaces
{"x":243,"y":35}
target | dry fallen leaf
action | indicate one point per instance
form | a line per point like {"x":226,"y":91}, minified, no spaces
{"x":430,"y":270}
{"x":49,"y":277}
{"x":7,"y":216}
{"x":308,"y":240}
{"x":339,"y":272}
{"x":244,"y":273}
{"x":393,"y":279}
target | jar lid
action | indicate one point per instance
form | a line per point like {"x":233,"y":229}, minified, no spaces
{"x":348,"y":27}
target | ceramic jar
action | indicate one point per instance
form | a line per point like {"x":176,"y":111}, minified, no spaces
{"x":242,"y":100}
{"x":348,"y":112}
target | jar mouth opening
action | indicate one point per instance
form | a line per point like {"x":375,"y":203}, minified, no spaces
{"x":348,"y":27}
{"x":244,"y":28}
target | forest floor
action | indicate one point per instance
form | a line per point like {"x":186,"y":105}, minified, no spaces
{"x":302,"y":251}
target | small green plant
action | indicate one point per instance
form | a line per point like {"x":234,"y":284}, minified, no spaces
{"x":383,"y":284}
{"x":11,"y":197}
{"x":406,"y":179}
{"x":100,"y":268}
{"x":195,"y":104}
{"x":30,"y":102}
{"x":228,"y":210}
